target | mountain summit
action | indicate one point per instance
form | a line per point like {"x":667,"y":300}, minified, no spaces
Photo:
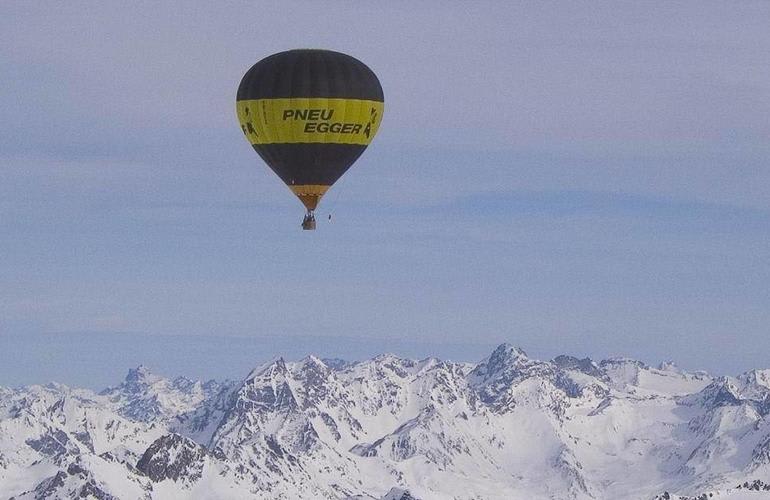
{"x":509,"y":426}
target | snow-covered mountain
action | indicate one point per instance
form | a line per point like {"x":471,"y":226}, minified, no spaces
{"x":508,"y":427}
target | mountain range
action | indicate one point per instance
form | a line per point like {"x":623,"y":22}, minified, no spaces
{"x":507,"y":427}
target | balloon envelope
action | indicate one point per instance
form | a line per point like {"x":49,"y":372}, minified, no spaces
{"x":309,"y":114}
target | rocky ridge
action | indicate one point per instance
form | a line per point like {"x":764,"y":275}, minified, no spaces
{"x":509,"y":426}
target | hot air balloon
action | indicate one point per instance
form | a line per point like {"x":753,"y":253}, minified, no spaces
{"x":309,"y":114}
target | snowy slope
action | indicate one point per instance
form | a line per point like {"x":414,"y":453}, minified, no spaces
{"x":506,"y":427}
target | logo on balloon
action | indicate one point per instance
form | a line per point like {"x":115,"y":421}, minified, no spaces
{"x":319,"y":120}
{"x":372,"y":119}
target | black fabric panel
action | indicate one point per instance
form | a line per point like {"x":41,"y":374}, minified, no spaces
{"x":310,"y":73}
{"x":320,"y":164}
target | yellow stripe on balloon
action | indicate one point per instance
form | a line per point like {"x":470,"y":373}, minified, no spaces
{"x":309,"y":120}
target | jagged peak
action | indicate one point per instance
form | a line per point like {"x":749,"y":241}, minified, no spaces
{"x":504,"y":356}
{"x":669,"y":366}
{"x":585,"y":365}
{"x":139,"y":371}
{"x":185,"y":384}
{"x":274,"y":366}
{"x":311,"y":370}
{"x":723,"y":381}
{"x":55,"y":386}
{"x":509,"y":351}
{"x":506,"y":365}
{"x":428,"y":363}
{"x":722,"y":391}
{"x":141,"y":375}
{"x":622,"y":360}
{"x":337,"y":364}
{"x":756,"y":377}
{"x":390,"y":362}
{"x":312,"y":360}
{"x":173,"y":440}
{"x":174,"y":457}
{"x":137,"y":380}
{"x":389,"y":357}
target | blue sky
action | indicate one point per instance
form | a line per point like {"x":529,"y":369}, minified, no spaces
{"x":589,"y":178}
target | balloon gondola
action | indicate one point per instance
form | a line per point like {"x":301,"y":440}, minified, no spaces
{"x":309,"y":114}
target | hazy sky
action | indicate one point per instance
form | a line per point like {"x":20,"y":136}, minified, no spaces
{"x":590,"y":178}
